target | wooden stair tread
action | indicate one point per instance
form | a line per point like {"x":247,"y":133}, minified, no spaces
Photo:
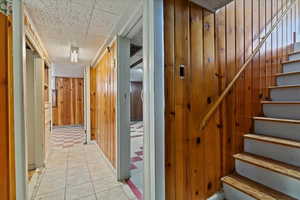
{"x":253,"y":189}
{"x":284,"y":86}
{"x":286,"y":73}
{"x":280,"y":102}
{"x":290,"y":61}
{"x":270,"y":164}
{"x":294,"y":52}
{"x":274,"y":140}
{"x":277,"y":120}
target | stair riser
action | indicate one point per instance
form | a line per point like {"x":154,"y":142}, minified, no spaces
{"x":232,"y":193}
{"x":297,"y":46}
{"x":283,"y":111}
{"x":285,"y":94}
{"x":294,"y":56}
{"x":277,"y":129}
{"x":276,"y":181}
{"x":292,"y":79}
{"x":281,"y":153}
{"x":291,"y":67}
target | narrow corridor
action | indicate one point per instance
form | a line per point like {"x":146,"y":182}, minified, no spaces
{"x":79,"y":172}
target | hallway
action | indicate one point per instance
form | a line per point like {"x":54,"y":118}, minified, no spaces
{"x":79,"y":172}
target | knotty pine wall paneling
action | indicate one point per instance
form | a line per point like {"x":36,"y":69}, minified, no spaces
{"x":213,"y":47}
{"x":103,"y":103}
{"x":7,"y":166}
{"x":93,"y":102}
{"x":136,"y":102}
{"x":69,"y":109}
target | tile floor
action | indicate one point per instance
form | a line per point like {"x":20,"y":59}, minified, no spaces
{"x":136,"y":182}
{"x":67,"y":136}
{"x":79,"y":172}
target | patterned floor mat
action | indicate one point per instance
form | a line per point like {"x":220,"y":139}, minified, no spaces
{"x":67,"y":136}
{"x":136,"y":182}
{"x":136,"y":129}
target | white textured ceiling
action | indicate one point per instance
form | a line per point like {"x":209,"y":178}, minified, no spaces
{"x":83,"y":23}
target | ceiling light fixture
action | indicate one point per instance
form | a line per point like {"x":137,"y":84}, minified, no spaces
{"x":74,"y":54}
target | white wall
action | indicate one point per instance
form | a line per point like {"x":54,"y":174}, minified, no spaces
{"x":68,"y":70}
{"x":137,"y":74}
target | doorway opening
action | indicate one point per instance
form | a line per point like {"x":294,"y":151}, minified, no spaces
{"x":136,"y":181}
{"x":37,"y":112}
{"x":67,"y":106}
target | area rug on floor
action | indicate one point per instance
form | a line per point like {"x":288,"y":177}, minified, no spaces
{"x":67,"y":136}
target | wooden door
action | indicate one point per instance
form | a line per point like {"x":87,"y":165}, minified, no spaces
{"x":136,"y":103}
{"x":69,"y":94}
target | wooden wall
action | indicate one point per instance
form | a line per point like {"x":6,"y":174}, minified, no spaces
{"x":69,"y":109}
{"x":136,"y":103}
{"x":213,"y":47}
{"x":7,"y":166}
{"x":93,"y":102}
{"x":103,"y":103}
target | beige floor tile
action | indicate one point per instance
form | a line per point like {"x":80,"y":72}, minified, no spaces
{"x":79,"y":179}
{"x":79,"y":191}
{"x":53,"y":175}
{"x":90,"y":197}
{"x":101,"y":174}
{"x":105,"y":183}
{"x":80,"y":173}
{"x":99,"y":167}
{"x":96,"y":161}
{"x":49,"y":186}
{"x":77,"y":164}
{"x":57,"y":195}
{"x":116,"y":193}
{"x":56,"y":167}
{"x":128,"y":191}
{"x":76,"y":170}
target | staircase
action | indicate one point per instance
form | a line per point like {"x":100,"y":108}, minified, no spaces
{"x":269,"y":168}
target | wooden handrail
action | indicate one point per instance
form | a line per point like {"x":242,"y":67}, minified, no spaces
{"x":236,"y":77}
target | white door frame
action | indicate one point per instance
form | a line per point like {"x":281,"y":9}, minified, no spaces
{"x":153,"y":106}
{"x":87,"y":105}
{"x":19,"y":61}
{"x":123,"y":108}
{"x":153,"y":47}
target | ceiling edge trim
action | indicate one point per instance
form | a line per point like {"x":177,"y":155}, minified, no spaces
{"x":33,"y":36}
{"x":128,"y":25}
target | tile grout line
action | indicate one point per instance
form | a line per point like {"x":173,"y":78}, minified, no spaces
{"x":86,"y":162}
{"x":66,"y":176}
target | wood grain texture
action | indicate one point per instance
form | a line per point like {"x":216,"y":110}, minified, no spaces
{"x":7,"y":166}
{"x":69,"y":110}
{"x":136,"y":103}
{"x":269,"y":164}
{"x":103,"y":103}
{"x":254,"y":189}
{"x":213,"y":47}
{"x":274,"y":140}
{"x":93,"y":102}
{"x":170,"y":140}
